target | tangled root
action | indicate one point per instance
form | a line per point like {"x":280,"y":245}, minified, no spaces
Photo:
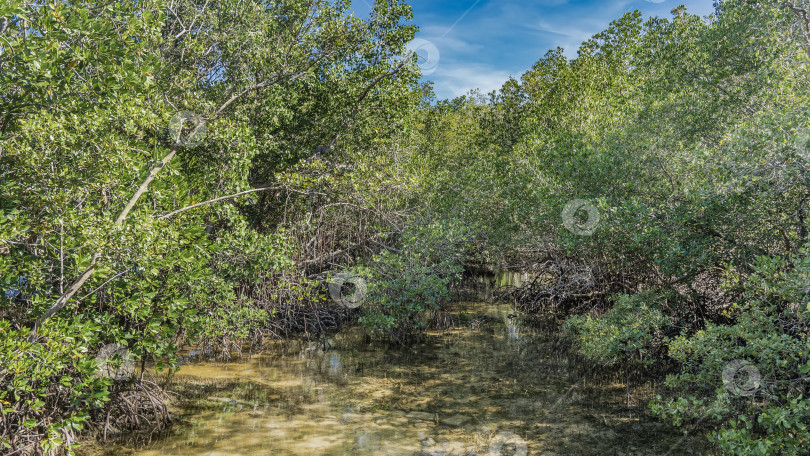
{"x":136,"y":406}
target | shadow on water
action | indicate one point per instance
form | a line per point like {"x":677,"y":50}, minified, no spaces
{"x":494,"y":386}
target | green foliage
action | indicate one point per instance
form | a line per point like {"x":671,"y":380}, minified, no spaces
{"x":97,"y":201}
{"x":630,"y":330}
{"x":688,"y":135}
{"x":49,"y":383}
{"x":769,"y":331}
{"x":406,"y":286}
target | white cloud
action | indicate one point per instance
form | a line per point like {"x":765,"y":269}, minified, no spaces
{"x":455,"y":80}
{"x":563,"y":30}
{"x":448,"y":43}
{"x":497,"y":38}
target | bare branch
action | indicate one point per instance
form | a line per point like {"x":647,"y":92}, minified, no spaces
{"x":74,"y":287}
{"x":145,"y":184}
{"x":215,"y":200}
{"x":235,"y":195}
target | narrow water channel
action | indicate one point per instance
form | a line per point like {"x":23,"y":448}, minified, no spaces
{"x":493,"y":386}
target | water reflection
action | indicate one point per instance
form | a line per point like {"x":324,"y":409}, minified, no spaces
{"x":334,"y":365}
{"x":493,"y":386}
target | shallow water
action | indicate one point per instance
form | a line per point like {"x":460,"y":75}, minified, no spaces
{"x":493,"y":386}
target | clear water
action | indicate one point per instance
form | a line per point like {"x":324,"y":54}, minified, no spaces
{"x":493,"y":386}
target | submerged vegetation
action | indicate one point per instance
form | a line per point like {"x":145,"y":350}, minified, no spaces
{"x":191,"y":173}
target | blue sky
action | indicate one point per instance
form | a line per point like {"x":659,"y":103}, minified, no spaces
{"x":480,"y":43}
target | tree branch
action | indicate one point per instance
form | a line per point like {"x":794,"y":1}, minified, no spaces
{"x":145,"y":184}
{"x":215,"y":200}
{"x":74,"y":287}
{"x":235,"y":195}
{"x":62,"y":301}
{"x":350,"y":118}
{"x":802,"y":13}
{"x":122,"y":217}
{"x":262,"y":85}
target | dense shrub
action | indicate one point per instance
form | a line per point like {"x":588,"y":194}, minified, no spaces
{"x":407,"y":285}
{"x":48,"y":385}
{"x":133,"y":148}
{"x":632,"y":330}
{"x":767,"y":414}
{"x":688,"y":136}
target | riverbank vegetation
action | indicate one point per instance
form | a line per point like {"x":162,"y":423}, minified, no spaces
{"x":193,"y":173}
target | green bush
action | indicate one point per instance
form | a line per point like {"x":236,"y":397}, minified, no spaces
{"x":48,"y":384}
{"x":631,"y":330}
{"x":769,"y":331}
{"x":406,"y":286}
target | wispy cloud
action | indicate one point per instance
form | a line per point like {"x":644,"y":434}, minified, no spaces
{"x":456,"y":80}
{"x":564,"y":31}
{"x":489,"y":40}
{"x":451,"y":44}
